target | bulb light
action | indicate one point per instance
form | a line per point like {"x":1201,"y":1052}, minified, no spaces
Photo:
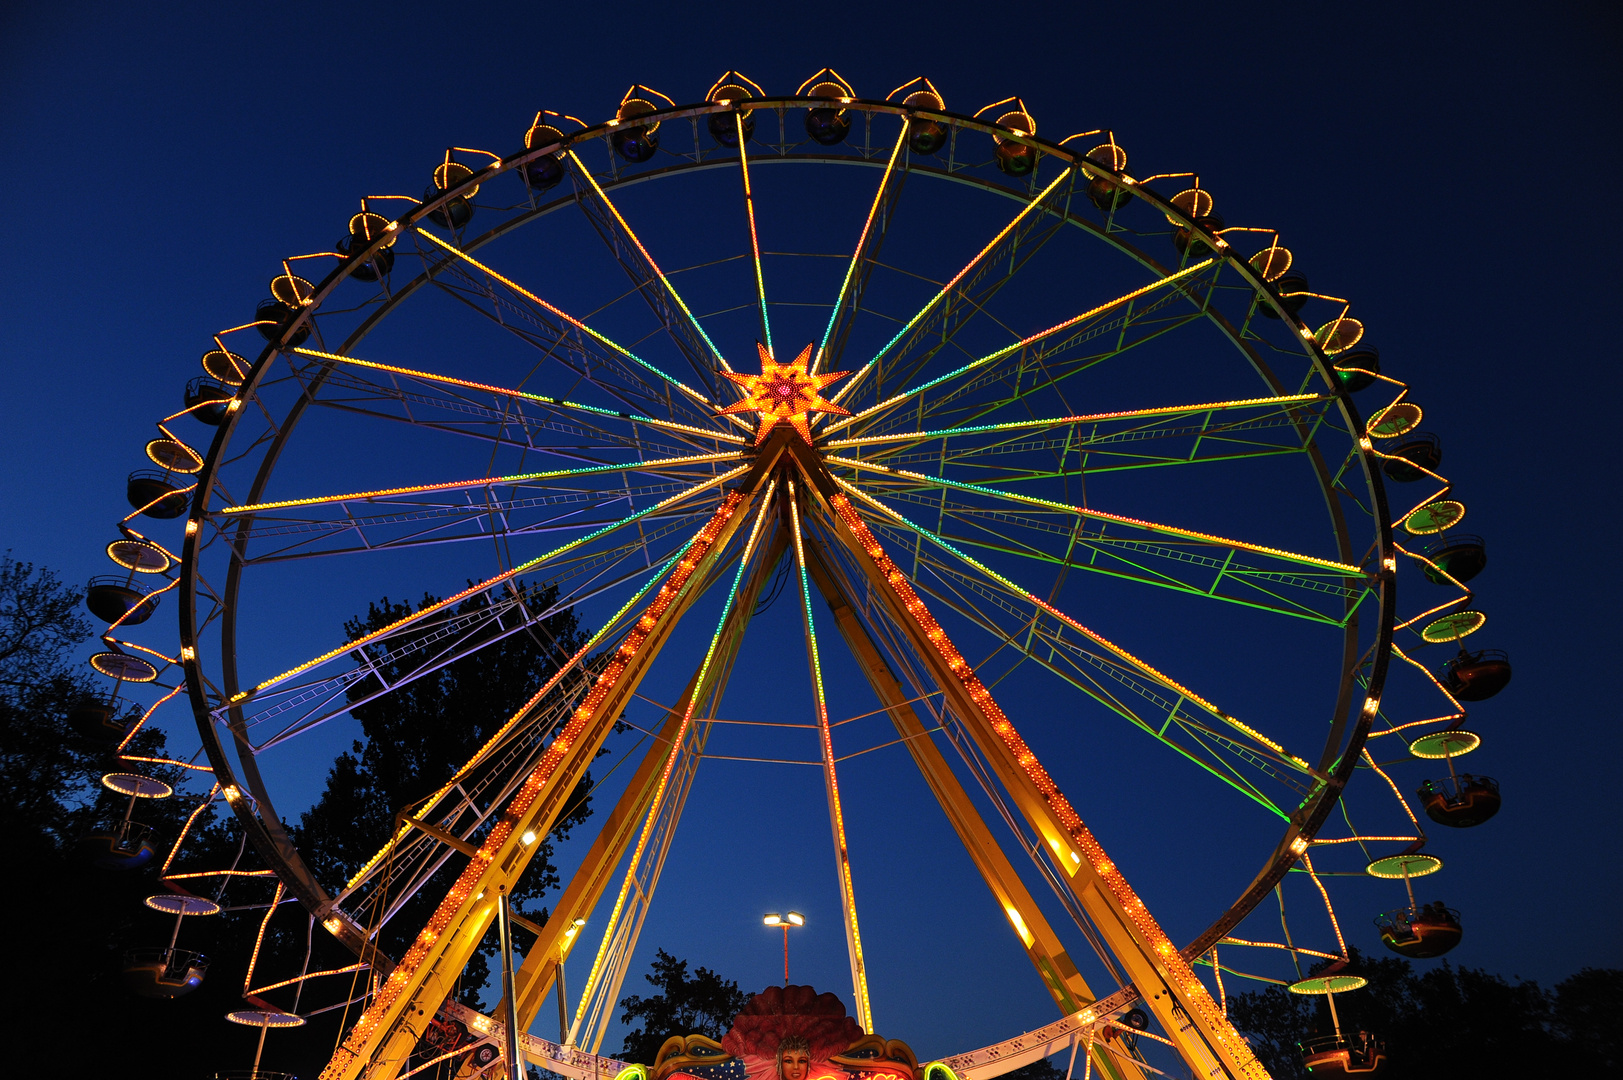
{"x":1217,"y":1026}
{"x":384,"y":1000}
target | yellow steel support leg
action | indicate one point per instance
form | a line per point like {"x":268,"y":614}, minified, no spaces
{"x":1170,"y":989}
{"x":1065,"y":984}
{"x":388,"y":1029}
{"x":535,"y":978}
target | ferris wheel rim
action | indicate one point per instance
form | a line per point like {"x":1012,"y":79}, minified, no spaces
{"x":313,"y":896}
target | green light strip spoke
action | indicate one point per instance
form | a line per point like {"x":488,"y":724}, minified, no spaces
{"x":1028,"y":597}
{"x":1150,"y":526}
{"x":1007,"y":350}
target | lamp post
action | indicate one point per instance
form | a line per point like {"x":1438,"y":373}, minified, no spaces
{"x":794,"y":918}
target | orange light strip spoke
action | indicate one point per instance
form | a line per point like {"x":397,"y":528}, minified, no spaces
{"x":993,"y":357}
{"x":542,"y":399}
{"x":652,"y":265}
{"x":457,"y":598}
{"x":655,"y":803}
{"x":836,"y":814}
{"x":953,"y":284}
{"x":489,"y":481}
{"x":1180,"y":976}
{"x":1086,"y":418}
{"x":1098,"y":515}
{"x":1172,"y":963}
{"x":388,"y":993}
{"x":709,"y":406}
{"x":862,"y":240}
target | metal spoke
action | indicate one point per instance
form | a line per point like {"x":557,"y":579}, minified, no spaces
{"x":869,"y":241}
{"x":675,"y":383}
{"x":541,"y":399}
{"x":1099,"y":515}
{"x":428,"y":522}
{"x":1181,"y":568}
{"x":666,"y":292}
{"x":1090,"y":418}
{"x":1007,"y":350}
{"x":755,"y":239}
{"x":951,"y":284}
{"x":471,"y":590}
{"x":677,"y":464}
{"x":1117,"y":651}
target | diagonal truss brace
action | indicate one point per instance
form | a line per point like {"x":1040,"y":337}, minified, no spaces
{"x":387,"y":1031}
{"x":1208,"y":1043}
{"x":1065,"y":983}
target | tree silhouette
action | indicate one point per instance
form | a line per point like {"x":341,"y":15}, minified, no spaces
{"x":701,"y":1004}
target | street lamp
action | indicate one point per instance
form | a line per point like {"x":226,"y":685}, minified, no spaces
{"x":794,"y":918}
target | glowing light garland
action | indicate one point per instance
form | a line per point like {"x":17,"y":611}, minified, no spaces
{"x":1173,"y":967}
{"x":842,"y":854}
{"x":382,"y":1006}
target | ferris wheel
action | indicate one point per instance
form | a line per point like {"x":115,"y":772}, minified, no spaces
{"x":1091,"y":486}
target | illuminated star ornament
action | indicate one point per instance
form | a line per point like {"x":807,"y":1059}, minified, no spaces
{"x":784,"y":393}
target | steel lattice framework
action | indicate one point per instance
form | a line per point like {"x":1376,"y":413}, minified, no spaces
{"x":935,"y":470}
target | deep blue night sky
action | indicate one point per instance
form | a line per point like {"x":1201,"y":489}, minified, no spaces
{"x":1451,"y":171}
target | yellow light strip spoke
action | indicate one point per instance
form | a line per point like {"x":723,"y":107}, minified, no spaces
{"x":755,"y":240}
{"x":836,"y":815}
{"x":862,"y":241}
{"x":710,"y":406}
{"x":993,"y":357}
{"x":652,"y":465}
{"x":652,"y":265}
{"x":471,"y":590}
{"x":655,"y":803}
{"x":1098,"y":639}
{"x":560,"y":403}
{"x":1085,"y":418}
{"x":953,"y":284}
{"x":1097,"y":515}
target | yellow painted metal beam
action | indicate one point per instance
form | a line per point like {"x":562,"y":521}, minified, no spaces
{"x":1208,"y":1043}
{"x":400,"y":1008}
{"x":1047,"y":954}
